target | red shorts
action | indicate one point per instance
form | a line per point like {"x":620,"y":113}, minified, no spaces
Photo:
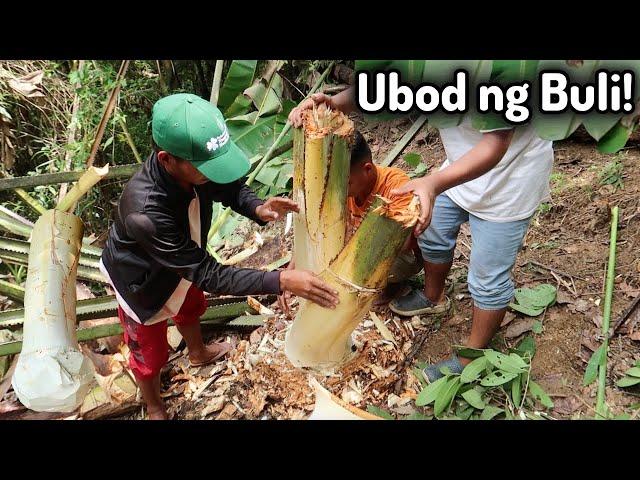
{"x":148,"y":346}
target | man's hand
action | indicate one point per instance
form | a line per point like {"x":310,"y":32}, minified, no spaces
{"x":275,"y":207}
{"x":295,"y":116}
{"x":283,"y":299}
{"x":426,"y":191}
{"x":306,"y":284}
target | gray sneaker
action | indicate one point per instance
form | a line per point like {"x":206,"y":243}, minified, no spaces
{"x":434,"y":372}
{"x":416,"y":303}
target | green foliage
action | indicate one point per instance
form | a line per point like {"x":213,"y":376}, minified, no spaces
{"x":379,"y":412}
{"x":533,"y":301}
{"x":612,"y":174}
{"x":414,"y":160}
{"x":544,"y":208}
{"x":631,"y":377}
{"x":493,"y":385}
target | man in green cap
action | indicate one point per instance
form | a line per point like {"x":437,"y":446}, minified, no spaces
{"x":155,"y":257}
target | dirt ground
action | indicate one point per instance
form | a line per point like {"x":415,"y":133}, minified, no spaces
{"x":567,"y":246}
{"x":569,"y":243}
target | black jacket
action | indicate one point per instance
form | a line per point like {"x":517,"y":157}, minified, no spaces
{"x":149,"y":248}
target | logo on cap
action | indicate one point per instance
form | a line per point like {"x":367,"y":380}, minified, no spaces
{"x":216,"y":142}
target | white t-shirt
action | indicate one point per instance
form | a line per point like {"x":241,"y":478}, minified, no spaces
{"x":514,"y":188}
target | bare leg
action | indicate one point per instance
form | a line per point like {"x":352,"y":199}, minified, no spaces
{"x":435,"y":275}
{"x":484,"y":326}
{"x":198,"y":351}
{"x":150,"y":388}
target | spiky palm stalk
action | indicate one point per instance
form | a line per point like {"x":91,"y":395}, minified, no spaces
{"x":52,"y":374}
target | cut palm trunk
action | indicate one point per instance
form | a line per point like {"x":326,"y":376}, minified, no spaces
{"x":52,"y":374}
{"x":320,"y":338}
{"x":321,"y":171}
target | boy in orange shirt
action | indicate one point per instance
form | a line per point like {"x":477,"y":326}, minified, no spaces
{"x":366,"y":180}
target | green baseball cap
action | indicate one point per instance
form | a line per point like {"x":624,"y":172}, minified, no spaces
{"x":189,"y":127}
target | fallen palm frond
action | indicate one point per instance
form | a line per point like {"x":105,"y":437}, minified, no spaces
{"x":107,"y":307}
{"x":213,"y":317}
{"x":119,"y":171}
{"x":12,"y":291}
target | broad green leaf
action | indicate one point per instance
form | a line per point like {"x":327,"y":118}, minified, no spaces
{"x":496,"y":378}
{"x":463,"y":412}
{"x":266,"y":96}
{"x":474,"y":399}
{"x":628,"y":382}
{"x":445,"y":396}
{"x":528,"y":344}
{"x":538,"y":393}
{"x":379,"y":412}
{"x":633,"y":372}
{"x":285,"y":176}
{"x":591,"y":371}
{"x":622,"y":416}
{"x":255,"y":138}
{"x":541,"y":296}
{"x":420,"y":170}
{"x":616,"y":138}
{"x":239,"y":77}
{"x":240,"y":106}
{"x":268,"y":174}
{"x":430,"y":392}
{"x":412,"y":159}
{"x":509,"y":363}
{"x":537,"y":327}
{"x":287,"y":106}
{"x":468,"y":352}
{"x":559,"y":126}
{"x":473,"y":370}
{"x":516,"y":390}
{"x":599,"y":125}
{"x":490,"y":411}
{"x":411,"y":71}
{"x":531,"y":312}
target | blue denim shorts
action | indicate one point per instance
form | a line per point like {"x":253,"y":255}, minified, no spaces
{"x":493,"y":251}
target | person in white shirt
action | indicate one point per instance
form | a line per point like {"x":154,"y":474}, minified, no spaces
{"x":494,"y":180}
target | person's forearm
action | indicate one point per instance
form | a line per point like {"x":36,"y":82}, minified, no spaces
{"x":345,"y":101}
{"x":476,"y":162}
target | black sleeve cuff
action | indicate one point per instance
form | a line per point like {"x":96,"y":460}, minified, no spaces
{"x":271,"y":283}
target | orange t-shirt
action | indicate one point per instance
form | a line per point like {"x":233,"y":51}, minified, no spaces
{"x":388,"y":179}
